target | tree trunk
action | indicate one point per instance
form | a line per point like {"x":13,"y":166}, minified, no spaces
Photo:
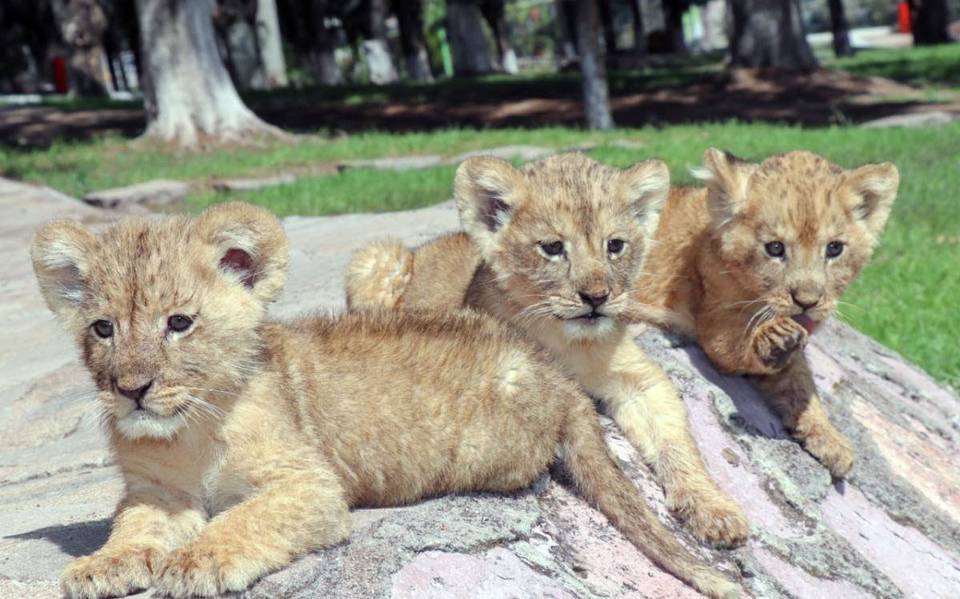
{"x":566,"y":49}
{"x":841,"y":31}
{"x":376,"y":52}
{"x":191,"y":101}
{"x":471,"y":53}
{"x":673,"y":25}
{"x":714,"y":20}
{"x":410,"y":19}
{"x":494,"y":11}
{"x":639,"y":35}
{"x":607,"y":25}
{"x":769,"y":33}
{"x":930,"y":19}
{"x":596,"y":101}
{"x":82,"y":24}
{"x":321,"y":55}
{"x":271,"y":45}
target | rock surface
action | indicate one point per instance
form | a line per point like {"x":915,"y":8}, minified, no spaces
{"x":158,"y":193}
{"x":892,"y":530}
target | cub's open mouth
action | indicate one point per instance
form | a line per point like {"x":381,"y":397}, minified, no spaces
{"x":806,"y":322}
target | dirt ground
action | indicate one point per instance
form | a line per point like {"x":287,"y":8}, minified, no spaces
{"x":820,"y":98}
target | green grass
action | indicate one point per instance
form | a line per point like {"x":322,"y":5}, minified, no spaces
{"x":936,"y":66}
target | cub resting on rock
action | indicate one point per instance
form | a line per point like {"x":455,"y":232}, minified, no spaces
{"x":244,"y":442}
{"x":751,"y":264}
{"x":554,"y":249}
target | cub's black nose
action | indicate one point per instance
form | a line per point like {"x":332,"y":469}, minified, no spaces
{"x":805,"y":300}
{"x":135,"y":394}
{"x":594,"y":300}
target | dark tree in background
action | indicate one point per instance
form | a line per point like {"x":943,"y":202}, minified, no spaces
{"x":840,"y":29}
{"x":929,"y":19}
{"x":673,"y":25}
{"x":468,"y":44}
{"x":82,"y":24}
{"x":495,"y":13}
{"x":607,"y":26}
{"x":769,"y":33}
{"x":639,"y":35}
{"x":596,"y":96}
{"x":410,"y":20}
{"x":190,"y":100}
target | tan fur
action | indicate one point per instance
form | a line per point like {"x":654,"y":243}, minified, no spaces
{"x":496,"y":267}
{"x":711,"y":269}
{"x":255,"y":438}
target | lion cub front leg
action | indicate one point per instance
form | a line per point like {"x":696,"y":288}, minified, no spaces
{"x":292,"y":514}
{"x":794,"y":394}
{"x":146,"y":526}
{"x":773,"y":343}
{"x":644,"y":403}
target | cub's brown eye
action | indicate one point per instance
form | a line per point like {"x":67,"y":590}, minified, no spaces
{"x":775,"y":249}
{"x":553,"y":248}
{"x":834,"y":249}
{"x":615,"y":246}
{"x":103,"y":329}
{"x":179,"y":323}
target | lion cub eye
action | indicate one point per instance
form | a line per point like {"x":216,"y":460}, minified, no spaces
{"x":103,"y":329}
{"x":615,"y":246}
{"x":179,"y":323}
{"x":775,"y":249}
{"x":551,"y":249}
{"x":834,"y":249}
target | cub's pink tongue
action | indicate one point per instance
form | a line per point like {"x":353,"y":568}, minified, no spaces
{"x":806,"y":322}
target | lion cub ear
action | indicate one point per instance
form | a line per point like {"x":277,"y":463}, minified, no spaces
{"x":726,"y":178}
{"x":645,"y":186}
{"x":60,"y":253}
{"x":874,"y":188}
{"x":487,"y":190}
{"x":250,"y":244}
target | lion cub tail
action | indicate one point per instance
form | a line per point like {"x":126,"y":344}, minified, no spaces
{"x":378,"y":275}
{"x":603,"y":483}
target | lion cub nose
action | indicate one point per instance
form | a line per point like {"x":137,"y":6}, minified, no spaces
{"x":595,"y":299}
{"x":806,"y":299}
{"x":135,"y":394}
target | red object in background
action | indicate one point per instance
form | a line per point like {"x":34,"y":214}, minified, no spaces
{"x":903,"y":18}
{"x":60,"y":81}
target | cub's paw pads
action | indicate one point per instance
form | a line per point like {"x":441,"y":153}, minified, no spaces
{"x":718,"y":521}
{"x":833,"y":450}
{"x":200,"y":571}
{"x":777,"y":340}
{"x":110,"y":574}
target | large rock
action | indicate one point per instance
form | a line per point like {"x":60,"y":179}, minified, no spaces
{"x":892,"y":530}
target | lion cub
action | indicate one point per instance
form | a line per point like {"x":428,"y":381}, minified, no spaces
{"x":554,"y":249}
{"x":243,"y":442}
{"x":755,"y":260}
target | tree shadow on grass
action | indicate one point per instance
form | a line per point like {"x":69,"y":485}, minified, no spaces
{"x":76,"y":539}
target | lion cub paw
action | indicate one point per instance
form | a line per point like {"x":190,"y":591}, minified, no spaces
{"x":198,"y":570}
{"x":776,"y":340}
{"x":833,"y":450}
{"x":113,"y":573}
{"x":712,"y":518}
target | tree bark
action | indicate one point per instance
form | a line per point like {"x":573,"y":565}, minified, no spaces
{"x":376,"y":52}
{"x":714,"y":20}
{"x":840,"y":29}
{"x":191,"y":102}
{"x":769,"y":33}
{"x":410,"y":19}
{"x":596,"y":97}
{"x":82,"y":24}
{"x":271,"y":45}
{"x":566,"y":49}
{"x":322,"y":45}
{"x":639,"y":34}
{"x":494,"y":11}
{"x":607,"y":25}
{"x":929,"y":19}
{"x":468,"y":44}
{"x":673,"y":25}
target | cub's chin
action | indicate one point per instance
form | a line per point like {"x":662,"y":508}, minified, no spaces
{"x":144,"y":424}
{"x":588,"y":328}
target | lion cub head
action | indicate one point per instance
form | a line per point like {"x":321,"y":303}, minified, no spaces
{"x":795,"y":230}
{"x":165,"y":311}
{"x":565,"y":237}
